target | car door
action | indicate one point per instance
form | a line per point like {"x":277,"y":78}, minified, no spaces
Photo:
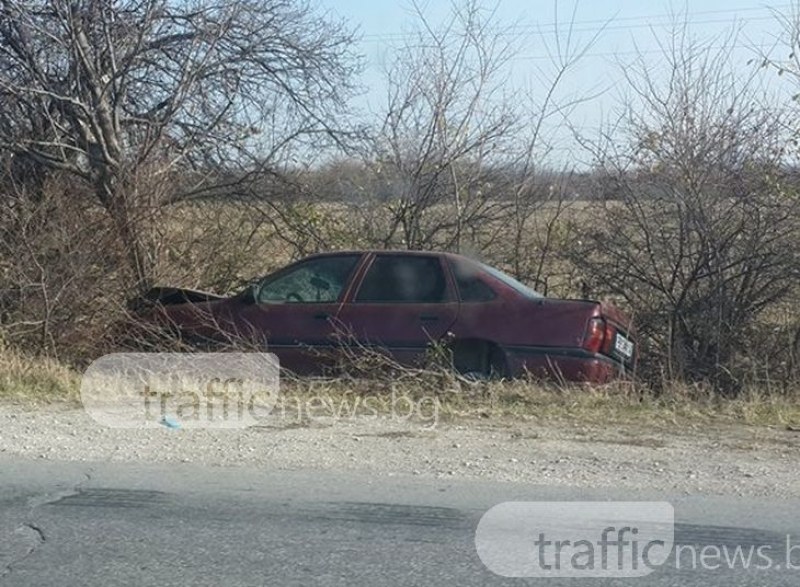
{"x":291,"y":311}
{"x":403,"y":302}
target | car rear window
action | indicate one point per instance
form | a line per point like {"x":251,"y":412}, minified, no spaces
{"x":471,"y":288}
{"x":520,"y":288}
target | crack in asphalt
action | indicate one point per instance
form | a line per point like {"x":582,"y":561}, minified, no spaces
{"x":33,"y":533}
{"x":41,"y":538}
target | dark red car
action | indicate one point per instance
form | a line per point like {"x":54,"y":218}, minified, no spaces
{"x":404,"y":301}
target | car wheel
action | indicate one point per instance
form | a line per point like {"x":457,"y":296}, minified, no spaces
{"x":478,"y":360}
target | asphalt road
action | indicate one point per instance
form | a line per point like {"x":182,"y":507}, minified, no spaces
{"x":71,"y":524}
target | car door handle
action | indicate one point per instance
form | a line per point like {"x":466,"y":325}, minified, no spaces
{"x":321,"y":316}
{"x":428,"y":318}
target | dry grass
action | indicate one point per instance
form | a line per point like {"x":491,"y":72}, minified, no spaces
{"x":614,"y":405}
{"x":36,"y":381}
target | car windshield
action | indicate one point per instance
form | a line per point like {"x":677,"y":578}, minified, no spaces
{"x":511,"y":282}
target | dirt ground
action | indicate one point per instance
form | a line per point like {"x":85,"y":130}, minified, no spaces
{"x":724,"y":459}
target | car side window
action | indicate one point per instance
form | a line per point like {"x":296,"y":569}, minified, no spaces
{"x":471,"y":288}
{"x":403,"y":279}
{"x":315,"y":281}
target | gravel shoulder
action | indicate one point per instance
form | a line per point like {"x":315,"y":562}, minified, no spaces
{"x":721,"y":460}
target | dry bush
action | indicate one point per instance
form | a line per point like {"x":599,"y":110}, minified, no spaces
{"x":60,"y":263}
{"x":217,"y":246}
{"x":697,"y":231}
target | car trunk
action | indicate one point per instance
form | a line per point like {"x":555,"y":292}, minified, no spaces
{"x":551,"y":326}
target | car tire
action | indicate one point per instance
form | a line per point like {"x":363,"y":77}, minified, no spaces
{"x":478,"y":360}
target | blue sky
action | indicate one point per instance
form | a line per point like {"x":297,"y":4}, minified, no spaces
{"x":630,"y":26}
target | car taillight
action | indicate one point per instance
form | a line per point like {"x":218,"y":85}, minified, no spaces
{"x":599,"y":336}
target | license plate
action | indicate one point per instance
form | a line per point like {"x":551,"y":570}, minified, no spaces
{"x":623,"y":346}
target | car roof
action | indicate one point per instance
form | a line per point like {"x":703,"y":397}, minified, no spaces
{"x":387,"y":252}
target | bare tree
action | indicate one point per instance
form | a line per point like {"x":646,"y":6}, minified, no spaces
{"x":117,"y":93}
{"x":455,"y":162}
{"x":785,"y":60}
{"x":445,"y":117}
{"x":697,"y":231}
{"x":543,"y":195}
